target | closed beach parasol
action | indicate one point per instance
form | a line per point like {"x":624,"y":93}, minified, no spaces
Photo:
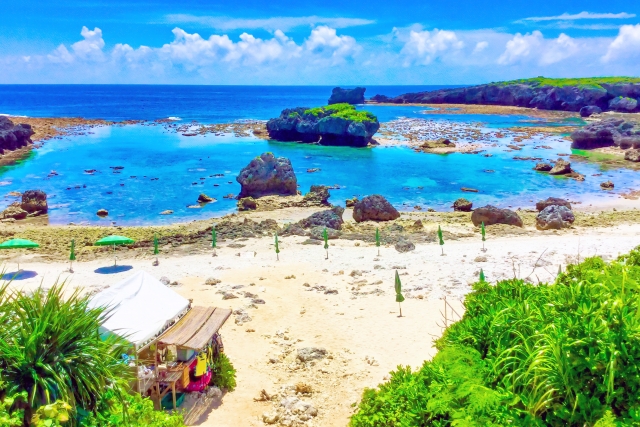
{"x":18,"y":244}
{"x":113,"y":241}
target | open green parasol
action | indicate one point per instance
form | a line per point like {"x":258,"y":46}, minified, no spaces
{"x":18,"y":244}
{"x":114,"y":241}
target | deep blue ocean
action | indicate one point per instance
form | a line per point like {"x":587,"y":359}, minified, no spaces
{"x":165,"y":170}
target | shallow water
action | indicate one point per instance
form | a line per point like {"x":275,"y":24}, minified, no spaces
{"x":161,"y":167}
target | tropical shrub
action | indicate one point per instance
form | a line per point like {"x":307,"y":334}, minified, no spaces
{"x":561,"y":354}
{"x":224,"y":374}
{"x":134,"y":411}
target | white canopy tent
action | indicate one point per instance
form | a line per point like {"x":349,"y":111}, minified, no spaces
{"x":141,"y":307}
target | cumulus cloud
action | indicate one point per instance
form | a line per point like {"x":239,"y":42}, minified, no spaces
{"x":626,"y":44}
{"x":423,"y":47}
{"x":578,"y":16}
{"x":283,"y":23}
{"x":533,"y":47}
{"x":88,"y":49}
{"x":324,"y":41}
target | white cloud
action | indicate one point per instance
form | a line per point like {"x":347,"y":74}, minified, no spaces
{"x":533,"y":47}
{"x":88,"y":49}
{"x":423,"y":47}
{"x":626,"y":44}
{"x":578,"y":16}
{"x":283,"y":23}
{"x":480,"y":46}
{"x":325,"y":41}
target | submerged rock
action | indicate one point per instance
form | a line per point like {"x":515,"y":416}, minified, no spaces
{"x":203,"y":198}
{"x":492,"y":215}
{"x":607,"y":185}
{"x":543,"y":167}
{"x":374,"y":208}
{"x":462,"y":205}
{"x":349,"y":96}
{"x":102,"y":212}
{"x":554,"y":217}
{"x":551,"y":201}
{"x":267,"y":174}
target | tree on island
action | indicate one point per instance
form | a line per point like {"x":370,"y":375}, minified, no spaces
{"x":441,"y":239}
{"x":399,"y":296}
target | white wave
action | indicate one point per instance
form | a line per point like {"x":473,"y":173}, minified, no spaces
{"x":174,"y":118}
{"x":12,"y":115}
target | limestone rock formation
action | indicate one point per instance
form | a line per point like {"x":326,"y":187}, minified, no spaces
{"x":607,"y":185}
{"x":203,"y":198}
{"x":331,"y":218}
{"x":13,"y":136}
{"x":339,"y":124}
{"x":632,"y":155}
{"x":623,"y":104}
{"x":349,"y":96}
{"x":34,"y":202}
{"x":374,"y":208}
{"x":318,"y":194}
{"x":589,"y":110}
{"x":492,"y":215}
{"x":247,"y":204}
{"x":14,"y":211}
{"x":102,"y":213}
{"x":543,"y":167}
{"x":561,"y":167}
{"x":266,"y":175}
{"x":551,"y":201}
{"x":554,"y":217}
{"x":606,"y":133}
{"x":462,"y":205}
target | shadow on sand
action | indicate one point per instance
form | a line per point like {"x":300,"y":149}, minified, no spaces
{"x":19,"y":275}
{"x":112,"y":269}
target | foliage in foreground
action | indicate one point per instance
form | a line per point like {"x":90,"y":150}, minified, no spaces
{"x":224,"y":374}
{"x":54,"y":365}
{"x":561,"y":354}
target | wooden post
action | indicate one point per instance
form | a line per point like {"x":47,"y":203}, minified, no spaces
{"x":173,"y":391}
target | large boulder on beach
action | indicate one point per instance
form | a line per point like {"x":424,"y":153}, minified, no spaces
{"x":14,"y":211}
{"x":552,"y":201}
{"x":632,"y":155}
{"x":554,"y":217}
{"x":349,"y":96}
{"x":607,"y":133}
{"x":318,"y":194}
{"x":331,"y":218}
{"x":493,"y":215}
{"x":462,"y":205}
{"x":374,"y":208}
{"x":267,"y":174}
{"x":623,"y":104}
{"x":589,"y":110}
{"x":13,"y":136}
{"x":34,"y":202}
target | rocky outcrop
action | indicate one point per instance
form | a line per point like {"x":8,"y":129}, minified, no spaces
{"x":542,"y":167}
{"x":554,"y":217}
{"x":34,"y":202}
{"x":462,"y":205}
{"x":607,"y":185}
{"x":623,"y":104}
{"x":561,"y":167}
{"x":267,"y":174}
{"x":589,"y":110}
{"x":632,"y":155}
{"x":606,"y":133}
{"x":14,"y":211}
{"x":374,"y":208}
{"x":102,"y":213}
{"x":318,"y":194}
{"x":203,"y":198}
{"x":331,"y":218}
{"x":531,"y":93}
{"x":349,"y":96}
{"x":13,"y":136}
{"x":325,"y":126}
{"x":247,"y":204}
{"x":492,"y":215}
{"x":552,"y":201}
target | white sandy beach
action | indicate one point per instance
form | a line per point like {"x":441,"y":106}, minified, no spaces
{"x":359,"y":326}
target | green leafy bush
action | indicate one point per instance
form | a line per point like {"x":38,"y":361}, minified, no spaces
{"x":224,"y":374}
{"x":345,"y":111}
{"x":135,"y":411}
{"x":561,"y":354}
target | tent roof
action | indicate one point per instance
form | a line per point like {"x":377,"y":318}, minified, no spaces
{"x":196,"y":327}
{"x":140,"y":306}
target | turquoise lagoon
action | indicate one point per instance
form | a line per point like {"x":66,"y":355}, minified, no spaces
{"x":163,"y":170}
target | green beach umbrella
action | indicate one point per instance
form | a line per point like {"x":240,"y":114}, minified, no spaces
{"x":72,"y":255}
{"x":399,"y":296}
{"x":114,"y":240}
{"x":378,"y":240}
{"x":483,"y":235}
{"x":155,"y":245}
{"x":214,"y":239}
{"x":325,"y":236}
{"x":277,"y":247}
{"x":482,"y":278}
{"x":441,"y":239}
{"x":18,"y":244}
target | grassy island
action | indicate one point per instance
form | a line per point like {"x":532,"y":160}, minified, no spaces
{"x":579,"y":82}
{"x":344,"y":111}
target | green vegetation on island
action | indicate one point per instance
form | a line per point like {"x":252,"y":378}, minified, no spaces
{"x":594,"y":82}
{"x":525,"y":354}
{"x":344,"y":111}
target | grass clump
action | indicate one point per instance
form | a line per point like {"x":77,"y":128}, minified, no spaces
{"x":593,"y":82}
{"x":344,"y":111}
{"x":559,"y":354}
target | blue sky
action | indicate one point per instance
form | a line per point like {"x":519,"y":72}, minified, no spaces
{"x":328,"y":42}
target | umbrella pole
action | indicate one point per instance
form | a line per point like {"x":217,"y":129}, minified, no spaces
{"x":115,"y":260}
{"x":400,"y":305}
